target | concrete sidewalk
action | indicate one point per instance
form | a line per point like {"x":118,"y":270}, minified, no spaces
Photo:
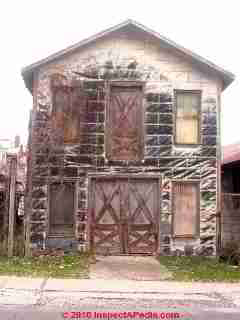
{"x":137,"y":268}
{"x":58,"y":292}
{"x":114,"y":286}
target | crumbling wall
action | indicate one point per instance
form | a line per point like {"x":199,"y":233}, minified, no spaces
{"x":123,"y":56}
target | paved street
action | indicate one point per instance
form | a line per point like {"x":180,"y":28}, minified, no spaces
{"x":53,"y":306}
{"x":23,"y":299}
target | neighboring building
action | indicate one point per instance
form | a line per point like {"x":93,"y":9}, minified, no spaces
{"x":13,"y":167}
{"x":14,"y":147}
{"x":124,"y":146}
{"x":5,"y":145}
{"x":230,"y":213}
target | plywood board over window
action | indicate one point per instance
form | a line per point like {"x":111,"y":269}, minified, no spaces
{"x":185,"y":209}
{"x":187,"y":124}
{"x":61,"y":215}
{"x":124,"y":122}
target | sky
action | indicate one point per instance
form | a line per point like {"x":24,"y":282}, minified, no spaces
{"x":32,"y":30}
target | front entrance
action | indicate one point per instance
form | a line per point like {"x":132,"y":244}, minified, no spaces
{"x":124,"y":214}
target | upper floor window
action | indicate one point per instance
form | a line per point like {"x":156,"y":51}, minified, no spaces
{"x":187,"y":124}
{"x":69,"y":104}
{"x":124,"y":121}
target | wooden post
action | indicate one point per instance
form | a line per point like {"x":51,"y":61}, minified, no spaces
{"x":12,"y":160}
{"x":6,"y":212}
{"x":28,"y":191}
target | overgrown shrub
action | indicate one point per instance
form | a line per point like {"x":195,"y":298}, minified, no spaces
{"x":230,"y":253}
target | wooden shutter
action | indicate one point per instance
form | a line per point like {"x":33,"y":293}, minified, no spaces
{"x":61,"y":207}
{"x":61,"y":102}
{"x":74,"y":115}
{"x":69,"y":107}
{"x":124,"y":140}
{"x":187,"y":117}
{"x":185,"y":209}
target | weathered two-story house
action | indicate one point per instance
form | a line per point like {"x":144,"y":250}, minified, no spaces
{"x":124,"y":146}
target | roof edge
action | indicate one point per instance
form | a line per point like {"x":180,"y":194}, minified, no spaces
{"x":27,"y":72}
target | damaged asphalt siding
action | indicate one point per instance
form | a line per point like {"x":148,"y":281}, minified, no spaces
{"x":135,"y":56}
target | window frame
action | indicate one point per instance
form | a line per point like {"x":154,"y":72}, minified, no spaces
{"x":49,"y":232}
{"x":125,"y":84}
{"x":196,"y":234}
{"x":199,"y":138}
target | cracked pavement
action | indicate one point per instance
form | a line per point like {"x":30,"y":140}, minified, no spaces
{"x":25,"y":298}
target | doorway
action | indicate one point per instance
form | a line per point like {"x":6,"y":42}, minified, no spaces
{"x":124,"y":214}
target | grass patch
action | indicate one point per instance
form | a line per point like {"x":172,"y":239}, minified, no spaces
{"x":67,"y":266}
{"x":200,"y":269}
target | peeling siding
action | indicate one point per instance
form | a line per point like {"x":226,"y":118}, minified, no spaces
{"x":125,"y":56}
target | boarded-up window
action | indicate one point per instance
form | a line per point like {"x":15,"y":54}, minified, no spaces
{"x":187,"y":117}
{"x":124,"y":123}
{"x":61,"y":208}
{"x":185,"y":209}
{"x":69,"y":107}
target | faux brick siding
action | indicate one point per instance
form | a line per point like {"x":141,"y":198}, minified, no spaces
{"x":129,"y":56}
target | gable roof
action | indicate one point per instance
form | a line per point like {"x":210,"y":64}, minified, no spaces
{"x":226,"y":76}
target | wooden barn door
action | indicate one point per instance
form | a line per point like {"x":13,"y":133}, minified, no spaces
{"x":143,"y":215}
{"x":105,"y":216}
{"x":124,"y":215}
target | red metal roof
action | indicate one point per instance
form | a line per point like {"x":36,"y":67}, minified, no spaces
{"x":231,"y":153}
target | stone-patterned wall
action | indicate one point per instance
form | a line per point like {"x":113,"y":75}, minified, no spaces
{"x":126,"y":56}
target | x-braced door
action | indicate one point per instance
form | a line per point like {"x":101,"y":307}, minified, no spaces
{"x":124,"y":215}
